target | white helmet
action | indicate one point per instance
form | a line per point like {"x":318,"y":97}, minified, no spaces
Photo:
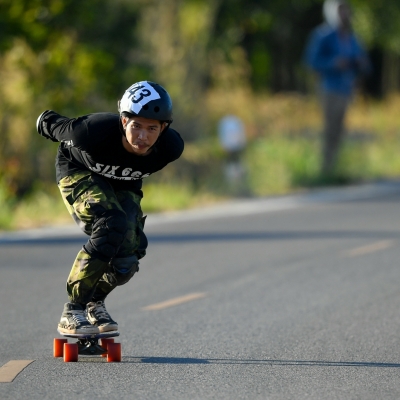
{"x":147,"y":99}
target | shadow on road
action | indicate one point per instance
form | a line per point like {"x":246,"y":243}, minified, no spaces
{"x":223,"y":236}
{"x":179,"y":360}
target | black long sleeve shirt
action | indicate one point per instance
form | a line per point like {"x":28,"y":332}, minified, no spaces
{"x":94,"y":142}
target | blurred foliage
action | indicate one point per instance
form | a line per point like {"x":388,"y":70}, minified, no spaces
{"x":282,"y":157}
{"x":213,"y":56}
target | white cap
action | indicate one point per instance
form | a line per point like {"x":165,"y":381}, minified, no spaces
{"x":330,"y":11}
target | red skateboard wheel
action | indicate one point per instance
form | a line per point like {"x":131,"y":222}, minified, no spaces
{"x":70,"y":352}
{"x":114,"y":352}
{"x":58,"y":347}
{"x":104,"y":344}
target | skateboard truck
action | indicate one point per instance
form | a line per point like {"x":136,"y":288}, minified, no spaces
{"x":90,"y":347}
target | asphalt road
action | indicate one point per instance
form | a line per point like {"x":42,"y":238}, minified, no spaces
{"x":288,"y":298}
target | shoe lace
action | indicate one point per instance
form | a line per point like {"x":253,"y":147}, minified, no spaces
{"x":79,"y":316}
{"x":101,"y":312}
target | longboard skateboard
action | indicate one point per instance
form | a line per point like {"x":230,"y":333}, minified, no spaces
{"x":87,"y":345}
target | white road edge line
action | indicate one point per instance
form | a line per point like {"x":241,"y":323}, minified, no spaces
{"x":10,"y":370}
{"x":370,"y":248}
{"x":174,"y":302}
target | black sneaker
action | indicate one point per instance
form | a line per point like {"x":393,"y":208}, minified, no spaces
{"x":98,"y":316}
{"x":73,"y":320}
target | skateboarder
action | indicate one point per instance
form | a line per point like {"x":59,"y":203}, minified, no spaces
{"x":101,"y":161}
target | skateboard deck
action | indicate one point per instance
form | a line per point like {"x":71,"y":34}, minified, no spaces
{"x":88,"y":345}
{"x":89,"y":335}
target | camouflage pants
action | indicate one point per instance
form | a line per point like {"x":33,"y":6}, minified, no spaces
{"x":87,"y":196}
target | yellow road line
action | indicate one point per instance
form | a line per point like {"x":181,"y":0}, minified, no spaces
{"x":10,"y":370}
{"x":175,"y":302}
{"x":371,"y":248}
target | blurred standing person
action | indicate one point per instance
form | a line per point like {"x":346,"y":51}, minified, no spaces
{"x":232,"y":137}
{"x":336,"y":55}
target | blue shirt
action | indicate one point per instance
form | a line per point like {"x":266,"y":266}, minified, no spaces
{"x":325,"y":48}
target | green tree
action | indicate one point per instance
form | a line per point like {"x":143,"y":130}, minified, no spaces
{"x":60,"y":54}
{"x":78,"y":57}
{"x":175,"y":40}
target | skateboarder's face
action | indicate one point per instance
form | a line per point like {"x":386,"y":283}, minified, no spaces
{"x":140,"y":134}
